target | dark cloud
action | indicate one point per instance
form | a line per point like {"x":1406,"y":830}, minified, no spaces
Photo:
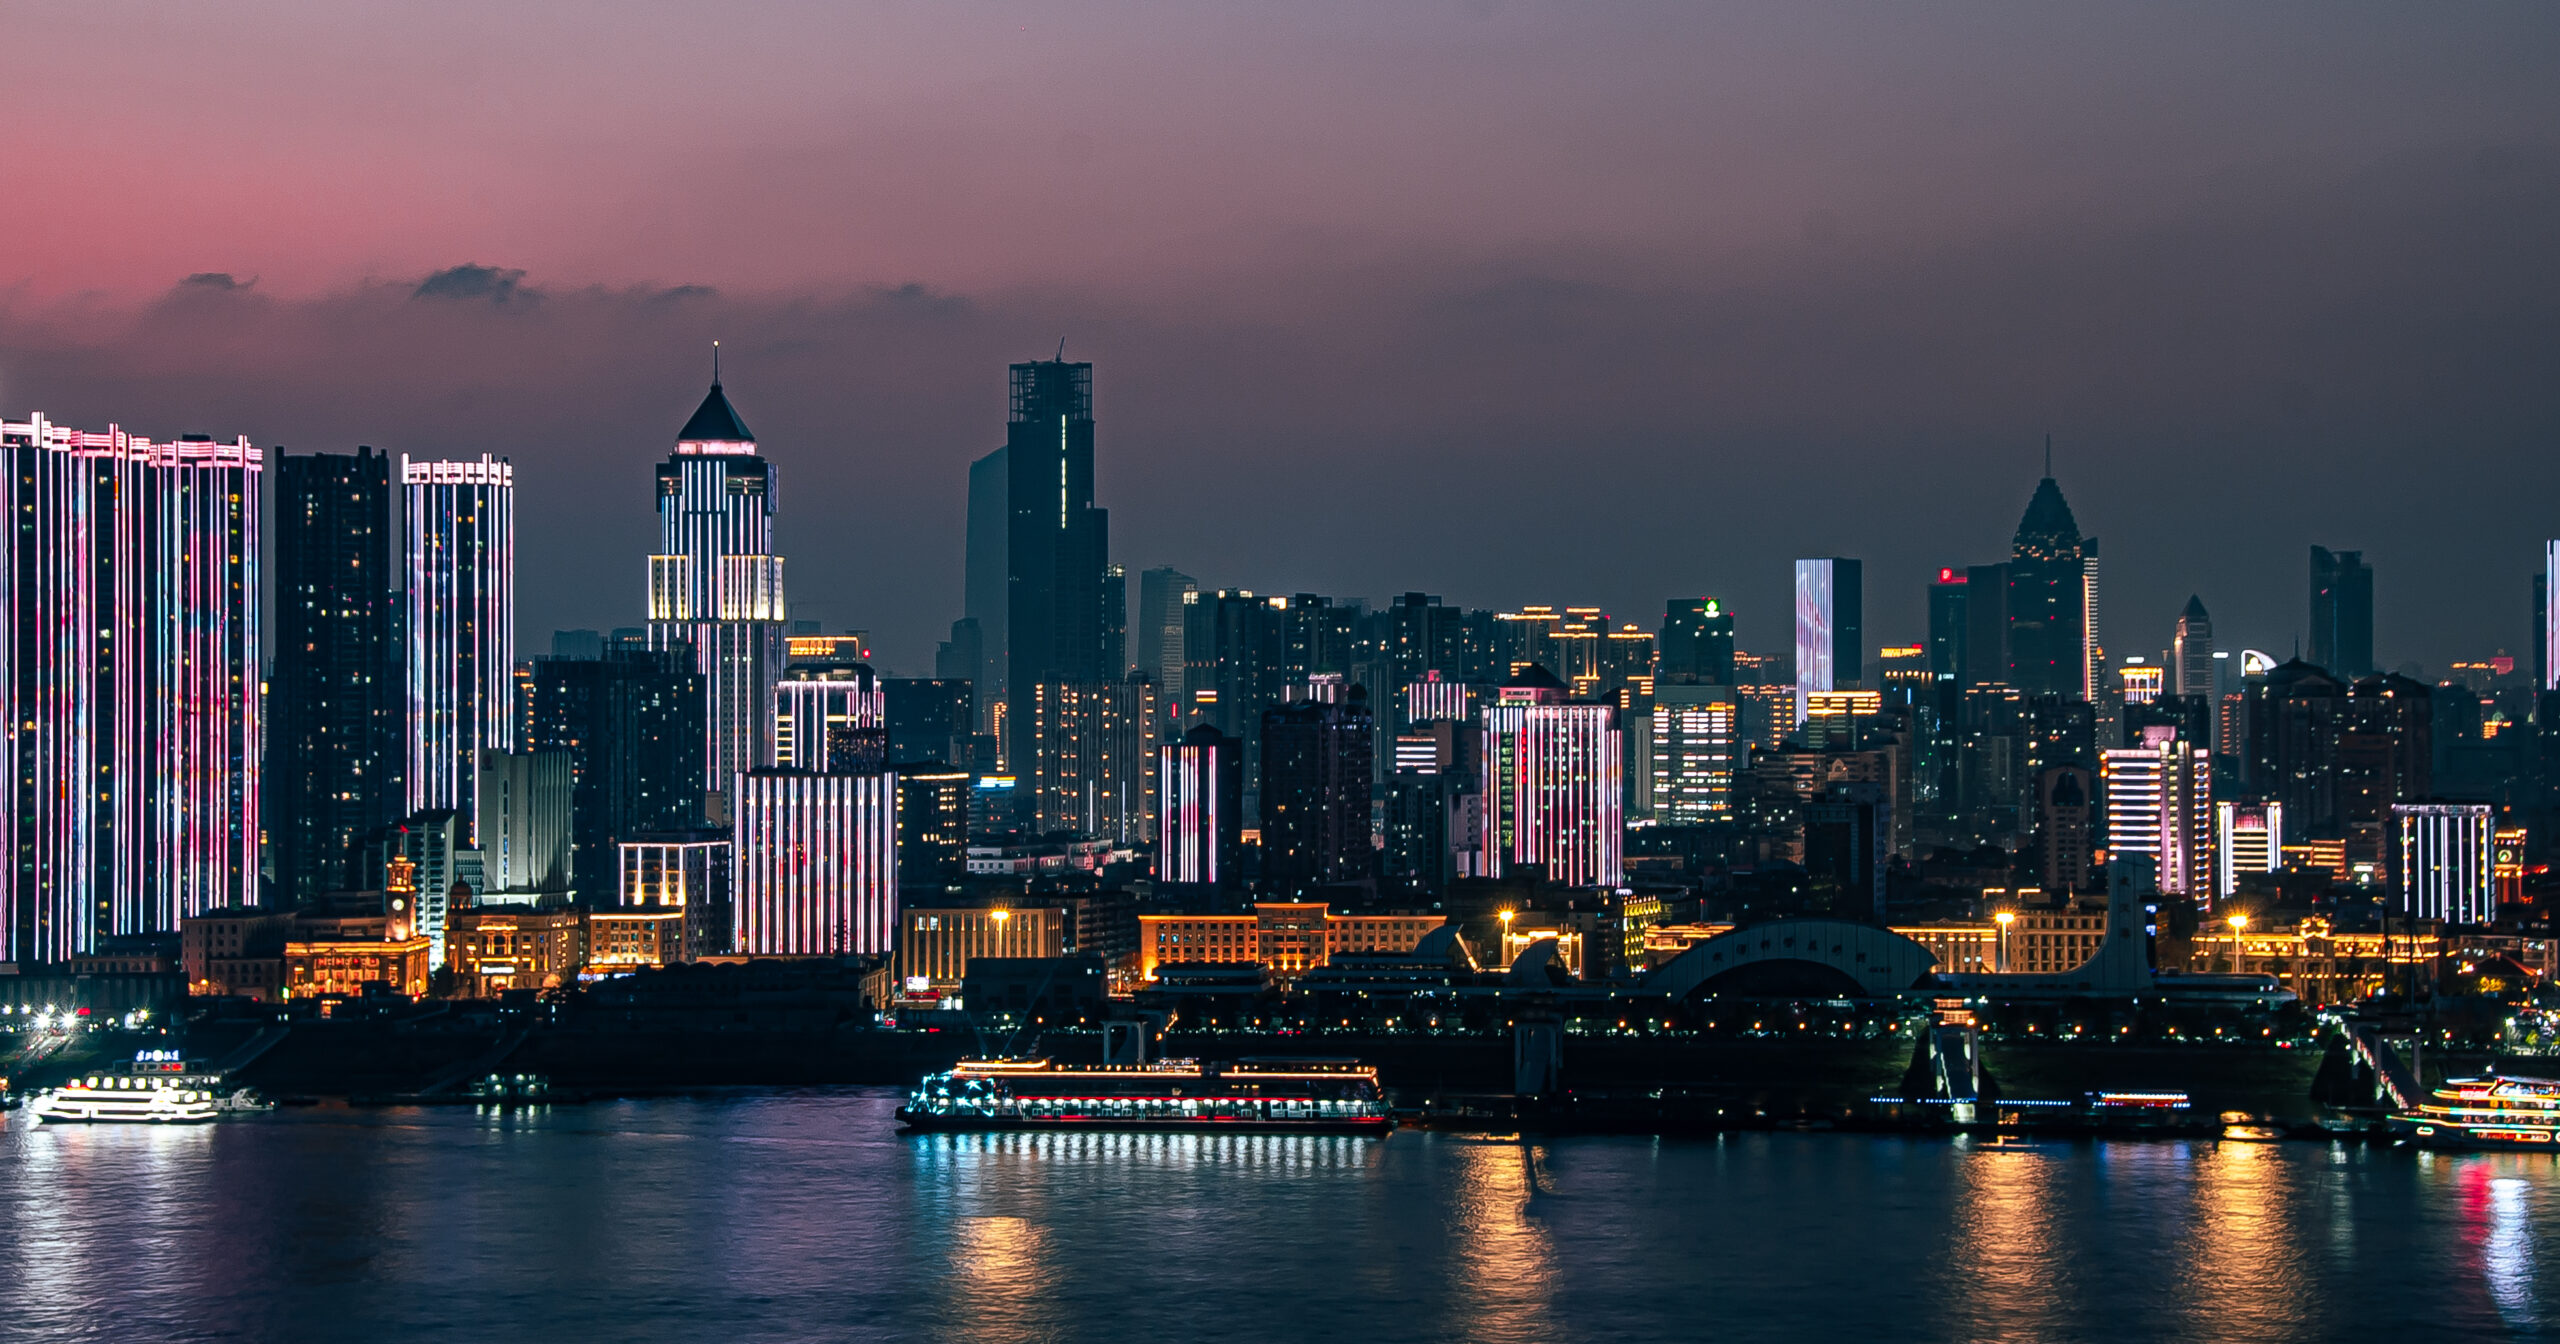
{"x":2360,"y":361}
{"x":470,"y":281}
{"x":218,"y":281}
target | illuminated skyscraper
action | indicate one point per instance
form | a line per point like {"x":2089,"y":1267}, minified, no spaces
{"x":1093,"y":755}
{"x":2052,"y":599}
{"x":681,"y":870}
{"x":1057,"y":545}
{"x":1696,"y":644}
{"x":2160,"y":803}
{"x":631,"y":723}
{"x":1694,"y":753}
{"x":129,"y":706}
{"x":1202,"y":791}
{"x":2191,"y":654}
{"x":1317,"y":757}
{"x":2442,"y":865}
{"x":335,"y":698}
{"x":2248,"y":838}
{"x":985,"y":580}
{"x":2547,"y":666}
{"x":830,"y":719}
{"x":2341,"y":613}
{"x":1160,"y":628}
{"x":1553,"y":794}
{"x":816,"y":868}
{"x":459,"y":626}
{"x":715,"y":585}
{"x":1947,"y":625}
{"x":1830,"y":627}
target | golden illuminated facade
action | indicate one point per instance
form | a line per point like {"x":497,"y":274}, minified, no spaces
{"x":1287,"y":938}
{"x":2317,"y":964}
{"x":321,"y":967}
{"x":937,"y":944}
{"x":630,"y":940}
{"x":492,"y":949}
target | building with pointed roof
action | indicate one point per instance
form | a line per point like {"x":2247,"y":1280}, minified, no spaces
{"x":2053,"y":598}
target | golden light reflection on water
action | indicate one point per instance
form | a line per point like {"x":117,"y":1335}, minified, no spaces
{"x":2247,"y":1263}
{"x":1504,"y":1254}
{"x":2009,"y":1264}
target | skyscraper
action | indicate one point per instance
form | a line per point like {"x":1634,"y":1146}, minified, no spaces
{"x":1696,"y":645}
{"x":1316,"y":762}
{"x":632,"y":725}
{"x":2051,"y":598}
{"x":459,"y":627}
{"x":1695,"y":751}
{"x":1552,"y":791}
{"x":335,"y":697}
{"x":1986,"y":625}
{"x":2160,"y":803}
{"x":2248,"y":838}
{"x":2546,"y":663}
{"x":1830,"y":627}
{"x":129,"y":707}
{"x":1057,"y":544}
{"x":1201,"y":779}
{"x":2441,"y":863}
{"x":985,"y":578}
{"x":2191,"y":653}
{"x":1092,"y":748}
{"x":2341,"y":612}
{"x":1160,"y":625}
{"x":1948,"y":625}
{"x":715,"y":584}
{"x":830,"y":719}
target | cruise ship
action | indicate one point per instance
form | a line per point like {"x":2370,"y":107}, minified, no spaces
{"x":127,"y":1098}
{"x":1294,"y":1096}
{"x":2490,"y":1112}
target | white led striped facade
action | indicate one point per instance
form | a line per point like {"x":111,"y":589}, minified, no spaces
{"x":2442,"y":860}
{"x":1431,"y":698}
{"x":459,"y":614}
{"x":816,"y":866}
{"x":2248,"y":838}
{"x":804,"y":708}
{"x":1553,"y":794}
{"x":2160,"y":803}
{"x":715,"y":586}
{"x":1694,"y":746}
{"x":1187,"y":835}
{"x":129,"y":702}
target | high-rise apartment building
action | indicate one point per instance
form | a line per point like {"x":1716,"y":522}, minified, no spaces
{"x":1948,"y":624}
{"x":458,"y":607}
{"x":129,"y":710}
{"x":335,"y":697}
{"x":715,"y":584}
{"x":1093,"y":756}
{"x":2052,"y":599}
{"x":816,"y":868}
{"x":1696,"y":643}
{"x":2442,"y":862}
{"x":1553,"y":794}
{"x":2546,"y":664}
{"x":2341,"y":612}
{"x":2248,"y":838}
{"x":1317,"y":757}
{"x":1830,"y":628}
{"x":1057,"y":548}
{"x":632,"y":724}
{"x":524,"y":799}
{"x":928,"y":718}
{"x":2160,"y":803}
{"x":1696,"y":748}
{"x":1201,"y":783}
{"x":681,"y":870}
{"x":830,"y":719}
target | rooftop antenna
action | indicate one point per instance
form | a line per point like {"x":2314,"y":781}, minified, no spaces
{"x":2048,"y":450}
{"x":715,"y":363}
{"x":1062,"y":349}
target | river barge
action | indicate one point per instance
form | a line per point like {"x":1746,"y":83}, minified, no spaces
{"x":1253,"y":1096}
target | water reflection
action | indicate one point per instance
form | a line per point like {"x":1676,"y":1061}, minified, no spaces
{"x":2506,"y":1248}
{"x":2248,"y":1263}
{"x":1504,"y":1255}
{"x":2008,"y":1255}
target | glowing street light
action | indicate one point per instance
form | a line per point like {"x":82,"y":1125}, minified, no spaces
{"x":2004,"y":919}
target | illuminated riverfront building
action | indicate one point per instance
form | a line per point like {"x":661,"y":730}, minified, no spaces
{"x":1830,"y":628}
{"x":1695,"y":749}
{"x":459,"y":626}
{"x":1202,"y":794}
{"x":937,"y":943}
{"x":2442,"y":861}
{"x":631,"y":724}
{"x":333,"y":746}
{"x":1552,"y":785}
{"x":1057,"y":548}
{"x":2248,"y":838}
{"x":1093,"y":757}
{"x":816,"y":868}
{"x":830,"y":719}
{"x":1286,"y":938}
{"x":2160,"y":803}
{"x":129,"y":697}
{"x":933,"y":823}
{"x":524,"y":799}
{"x":715,"y":585}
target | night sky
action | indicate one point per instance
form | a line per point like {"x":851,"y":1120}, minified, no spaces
{"x":1507,"y":302}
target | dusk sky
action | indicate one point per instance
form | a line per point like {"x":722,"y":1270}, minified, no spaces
{"x":1503,"y":301}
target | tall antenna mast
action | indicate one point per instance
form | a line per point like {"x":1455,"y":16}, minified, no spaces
{"x":715,"y":371}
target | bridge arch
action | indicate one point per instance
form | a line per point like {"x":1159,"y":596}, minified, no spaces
{"x":1877,"y":961}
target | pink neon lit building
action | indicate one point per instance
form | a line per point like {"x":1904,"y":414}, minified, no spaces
{"x":460,"y":614}
{"x":129,"y":707}
{"x":816,"y":867}
{"x":1552,"y":774}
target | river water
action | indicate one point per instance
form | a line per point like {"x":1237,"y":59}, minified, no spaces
{"x":788,"y":1216}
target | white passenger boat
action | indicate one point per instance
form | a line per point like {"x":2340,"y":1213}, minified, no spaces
{"x":134,"y":1099}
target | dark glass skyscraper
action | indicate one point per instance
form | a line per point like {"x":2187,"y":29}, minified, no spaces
{"x":1315,"y":794}
{"x":1697,"y":643}
{"x":333,"y":762}
{"x":633,"y":724}
{"x":1057,"y":544}
{"x":1948,"y":616}
{"x":2341,"y":612}
{"x":2050,"y":596}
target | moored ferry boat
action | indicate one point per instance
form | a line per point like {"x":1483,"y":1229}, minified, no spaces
{"x":119,"y":1098}
{"x":1297,"y":1096}
{"x":2491,"y":1112}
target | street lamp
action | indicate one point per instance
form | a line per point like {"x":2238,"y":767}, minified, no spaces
{"x":2004,"y":919}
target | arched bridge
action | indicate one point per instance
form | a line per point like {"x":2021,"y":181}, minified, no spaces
{"x":1858,"y":958}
